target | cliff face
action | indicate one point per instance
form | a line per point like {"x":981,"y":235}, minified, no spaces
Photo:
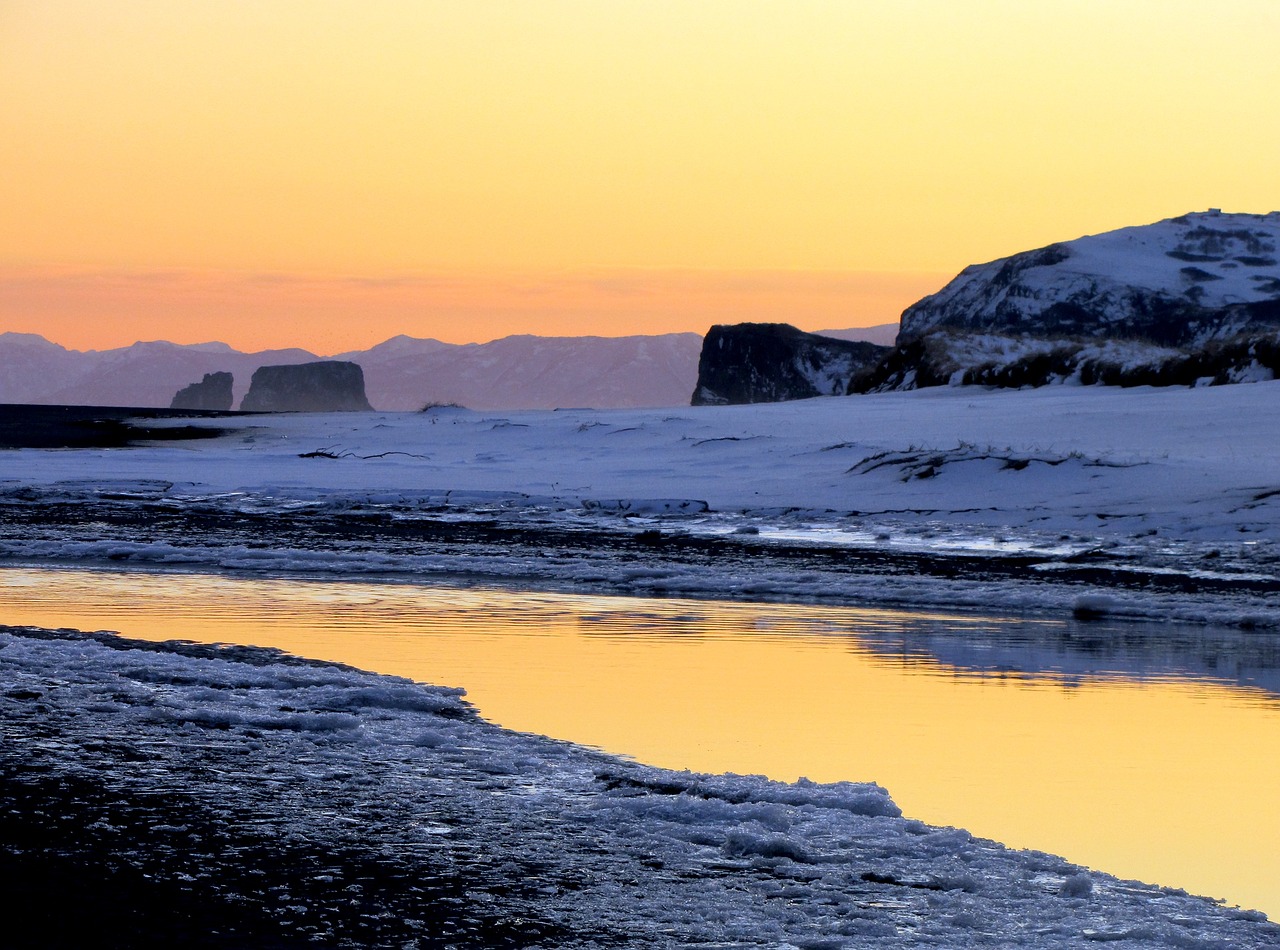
{"x":775,"y":362}
{"x":325,"y":386}
{"x":212,"y":392}
{"x":976,"y":359}
{"x":1181,"y":282}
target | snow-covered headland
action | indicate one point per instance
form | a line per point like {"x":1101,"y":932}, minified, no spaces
{"x":233,"y":796}
{"x":1185,"y":280}
{"x":1191,"y":300}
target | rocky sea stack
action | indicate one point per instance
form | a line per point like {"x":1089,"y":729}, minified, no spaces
{"x":212,"y":392}
{"x":324,"y":386}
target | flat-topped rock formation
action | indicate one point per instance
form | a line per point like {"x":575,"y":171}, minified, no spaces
{"x":323,"y":386}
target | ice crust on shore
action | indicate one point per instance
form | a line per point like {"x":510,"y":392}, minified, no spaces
{"x":476,"y":826}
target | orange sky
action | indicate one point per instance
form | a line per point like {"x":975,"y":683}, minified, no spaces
{"x":328,"y":173}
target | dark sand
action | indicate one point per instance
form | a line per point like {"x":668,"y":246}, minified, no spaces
{"x":97,"y":427}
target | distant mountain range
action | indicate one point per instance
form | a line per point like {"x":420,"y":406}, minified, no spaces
{"x":403,"y":373}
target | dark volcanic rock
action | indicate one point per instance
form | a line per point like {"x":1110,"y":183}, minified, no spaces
{"x":775,"y":362}
{"x":212,"y":392}
{"x":325,"y":386}
{"x":943,"y":358}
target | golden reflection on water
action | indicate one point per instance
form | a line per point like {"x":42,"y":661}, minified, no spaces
{"x":1162,"y":780}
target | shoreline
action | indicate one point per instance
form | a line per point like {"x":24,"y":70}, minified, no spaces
{"x":1136,"y":504}
{"x":149,"y":527}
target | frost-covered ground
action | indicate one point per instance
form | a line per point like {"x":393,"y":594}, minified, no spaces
{"x":1145,"y":503}
{"x":183,"y":795}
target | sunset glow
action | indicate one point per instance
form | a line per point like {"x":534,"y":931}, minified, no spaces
{"x":328,"y":174}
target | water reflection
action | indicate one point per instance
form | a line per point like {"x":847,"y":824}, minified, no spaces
{"x":1145,"y":751}
{"x":1073,"y":651}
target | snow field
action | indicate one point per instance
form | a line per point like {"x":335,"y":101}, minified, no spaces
{"x":1161,"y":481}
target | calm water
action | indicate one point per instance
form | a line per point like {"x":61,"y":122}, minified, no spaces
{"x":1147,"y":752}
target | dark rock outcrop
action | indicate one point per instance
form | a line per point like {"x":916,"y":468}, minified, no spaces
{"x":212,"y":392}
{"x":325,"y":386}
{"x":775,"y":362}
{"x":948,"y":358}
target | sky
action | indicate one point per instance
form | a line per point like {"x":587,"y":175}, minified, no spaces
{"x":331,"y":173}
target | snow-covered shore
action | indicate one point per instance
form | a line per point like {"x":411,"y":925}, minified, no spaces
{"x":1142,"y":503}
{"x":283,"y":801}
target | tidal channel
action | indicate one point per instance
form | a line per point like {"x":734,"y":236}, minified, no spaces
{"x":1146,"y":751}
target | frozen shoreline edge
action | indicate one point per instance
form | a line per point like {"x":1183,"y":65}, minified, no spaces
{"x":661,"y":561}
{"x":371,"y":735}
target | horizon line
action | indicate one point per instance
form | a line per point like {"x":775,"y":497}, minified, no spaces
{"x":406,"y":336}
